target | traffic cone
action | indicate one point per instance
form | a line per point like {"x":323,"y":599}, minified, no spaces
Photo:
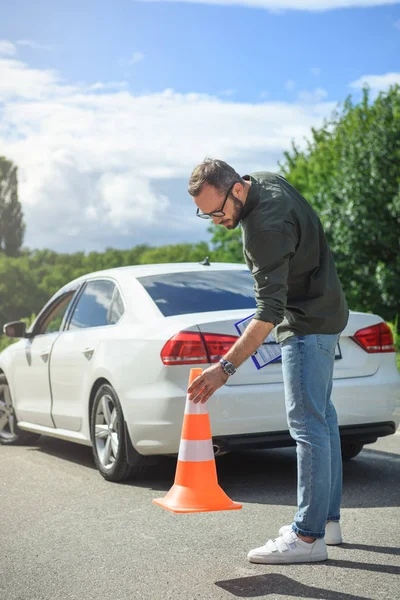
{"x":196,"y":486}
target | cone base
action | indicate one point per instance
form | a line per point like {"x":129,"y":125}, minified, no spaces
{"x":181,"y":499}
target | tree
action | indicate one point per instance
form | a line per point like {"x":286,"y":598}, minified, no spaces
{"x":350,"y":172}
{"x":12,"y":228}
{"x":226,"y":244}
{"x":20,"y":293}
{"x":175,"y":253}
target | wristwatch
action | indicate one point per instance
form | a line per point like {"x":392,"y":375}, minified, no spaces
{"x":227,"y":366}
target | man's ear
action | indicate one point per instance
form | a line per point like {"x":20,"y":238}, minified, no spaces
{"x":237,"y":189}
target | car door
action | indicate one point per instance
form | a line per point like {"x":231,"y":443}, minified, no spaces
{"x":75,"y":352}
{"x":32,"y":359}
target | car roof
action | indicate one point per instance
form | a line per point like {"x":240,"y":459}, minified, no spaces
{"x":162,"y":269}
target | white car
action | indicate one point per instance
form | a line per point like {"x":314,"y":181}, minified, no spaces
{"x":106,"y":364}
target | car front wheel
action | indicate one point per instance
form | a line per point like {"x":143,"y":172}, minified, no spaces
{"x":108,"y":437}
{"x":10,"y":433}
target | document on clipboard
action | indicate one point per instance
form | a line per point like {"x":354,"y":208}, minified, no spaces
{"x":269,"y":352}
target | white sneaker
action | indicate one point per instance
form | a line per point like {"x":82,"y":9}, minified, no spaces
{"x":288,"y":549}
{"x":333,"y":533}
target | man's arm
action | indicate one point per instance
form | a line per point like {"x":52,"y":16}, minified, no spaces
{"x":251,"y":339}
{"x":214,"y":377}
{"x":268,"y":254}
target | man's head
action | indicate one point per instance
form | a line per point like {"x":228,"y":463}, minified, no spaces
{"x":219,"y":192}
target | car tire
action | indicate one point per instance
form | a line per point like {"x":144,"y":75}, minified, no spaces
{"x":108,"y":438}
{"x":10,"y":433}
{"x":351,"y":449}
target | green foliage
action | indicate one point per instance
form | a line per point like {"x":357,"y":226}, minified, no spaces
{"x":396,"y":335}
{"x":350,"y":173}
{"x":12,"y":228}
{"x":175,"y":253}
{"x":226,"y":244}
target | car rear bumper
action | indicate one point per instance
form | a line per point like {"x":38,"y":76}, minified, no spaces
{"x":254,"y":415}
{"x":365,"y":434}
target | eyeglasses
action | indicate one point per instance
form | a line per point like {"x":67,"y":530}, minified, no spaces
{"x":215,"y":213}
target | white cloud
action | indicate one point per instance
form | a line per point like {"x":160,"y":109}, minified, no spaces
{"x":111,"y":85}
{"x":377,"y":82}
{"x":277,"y":6}
{"x":17,"y":80}
{"x":290,"y":85}
{"x":315,"y":71}
{"x":32,"y":44}
{"x":7,"y":48}
{"x":136,"y":58}
{"x":227,"y":93}
{"x":99,"y":166}
{"x":312,"y":97}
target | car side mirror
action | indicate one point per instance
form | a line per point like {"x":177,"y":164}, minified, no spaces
{"x":16,"y":329}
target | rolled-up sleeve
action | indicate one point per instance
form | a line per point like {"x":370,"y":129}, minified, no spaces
{"x":267,"y":254}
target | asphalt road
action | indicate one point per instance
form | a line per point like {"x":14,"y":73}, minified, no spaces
{"x":66,"y":534}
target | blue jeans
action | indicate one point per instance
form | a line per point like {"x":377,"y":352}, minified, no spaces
{"x":307,"y":363}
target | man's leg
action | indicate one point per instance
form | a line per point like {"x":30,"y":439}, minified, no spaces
{"x":336,"y":462}
{"x":307,"y":370}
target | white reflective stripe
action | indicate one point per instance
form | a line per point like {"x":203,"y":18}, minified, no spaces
{"x":195,"y":409}
{"x":196,"y":450}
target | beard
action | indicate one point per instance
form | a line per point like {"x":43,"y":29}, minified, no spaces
{"x":238,"y":209}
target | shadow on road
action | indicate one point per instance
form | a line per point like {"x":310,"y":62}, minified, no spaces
{"x":264,"y":476}
{"x":63,"y":450}
{"x":280,"y":585}
{"x":379,"y":549}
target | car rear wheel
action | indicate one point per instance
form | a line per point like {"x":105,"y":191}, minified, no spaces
{"x":10,"y":433}
{"x":351,"y":449}
{"x":108,"y":438}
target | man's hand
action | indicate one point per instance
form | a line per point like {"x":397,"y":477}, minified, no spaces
{"x":203,"y":387}
{"x":214,"y":377}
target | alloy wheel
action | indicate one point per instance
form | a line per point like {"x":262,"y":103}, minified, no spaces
{"x":7,"y":417}
{"x":106,"y":431}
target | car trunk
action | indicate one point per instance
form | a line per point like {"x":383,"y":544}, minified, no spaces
{"x":351,"y":359}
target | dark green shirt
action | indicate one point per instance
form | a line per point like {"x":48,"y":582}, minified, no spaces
{"x":297,"y":287}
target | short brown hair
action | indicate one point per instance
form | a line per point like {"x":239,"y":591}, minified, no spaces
{"x":213,"y":172}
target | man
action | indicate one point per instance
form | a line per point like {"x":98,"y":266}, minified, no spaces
{"x":299,"y":295}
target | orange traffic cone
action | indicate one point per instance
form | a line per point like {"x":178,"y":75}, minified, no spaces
{"x":196,"y":486}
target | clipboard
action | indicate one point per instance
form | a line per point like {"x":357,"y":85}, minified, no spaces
{"x":269,"y":352}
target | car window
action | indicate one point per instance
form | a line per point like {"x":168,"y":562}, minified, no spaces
{"x":97,"y":306}
{"x":116,"y":309}
{"x":200,"y":291}
{"x":53,"y":319}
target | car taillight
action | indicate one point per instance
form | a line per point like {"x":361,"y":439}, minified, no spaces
{"x":190,"y":348}
{"x":377,"y":338}
{"x":217,"y":345}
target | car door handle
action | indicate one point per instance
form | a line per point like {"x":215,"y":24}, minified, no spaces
{"x":44,"y":355}
{"x":88,"y":353}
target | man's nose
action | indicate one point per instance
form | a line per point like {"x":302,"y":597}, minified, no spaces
{"x":217,"y":220}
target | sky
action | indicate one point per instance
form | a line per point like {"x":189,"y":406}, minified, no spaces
{"x":106,"y":107}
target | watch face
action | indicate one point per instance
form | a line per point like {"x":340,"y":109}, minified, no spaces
{"x":228,"y":367}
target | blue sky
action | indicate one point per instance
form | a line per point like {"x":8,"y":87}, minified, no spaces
{"x":106,"y":107}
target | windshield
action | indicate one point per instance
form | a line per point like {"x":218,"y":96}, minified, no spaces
{"x":198,"y":291}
